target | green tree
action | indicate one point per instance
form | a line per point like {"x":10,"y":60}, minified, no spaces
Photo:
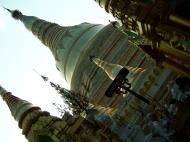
{"x":76,"y":102}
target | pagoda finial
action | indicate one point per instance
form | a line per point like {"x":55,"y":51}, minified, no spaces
{"x":42,"y":76}
{"x":16,"y":14}
{"x":111,"y":69}
{"x":8,"y":10}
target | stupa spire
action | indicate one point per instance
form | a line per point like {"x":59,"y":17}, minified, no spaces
{"x":112,"y":70}
{"x":20,"y":109}
{"x":15,"y":104}
{"x":8,"y":10}
{"x":66,"y":43}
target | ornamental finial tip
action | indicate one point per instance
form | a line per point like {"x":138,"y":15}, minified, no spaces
{"x":42,"y":76}
{"x":16,"y":14}
{"x":8,"y":9}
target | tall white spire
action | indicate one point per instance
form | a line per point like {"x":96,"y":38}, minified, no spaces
{"x":16,"y":105}
{"x":112,"y":70}
{"x":67,"y":44}
{"x":22,"y":111}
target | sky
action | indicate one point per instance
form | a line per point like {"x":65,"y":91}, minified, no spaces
{"x":21,"y":53}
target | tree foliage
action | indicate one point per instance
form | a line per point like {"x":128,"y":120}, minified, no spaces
{"x":76,"y":102}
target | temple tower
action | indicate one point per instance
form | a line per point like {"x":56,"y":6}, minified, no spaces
{"x":40,"y":126}
{"x":72,"y":46}
{"x":67,"y":44}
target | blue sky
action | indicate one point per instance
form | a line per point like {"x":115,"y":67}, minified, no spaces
{"x":21,"y":52}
